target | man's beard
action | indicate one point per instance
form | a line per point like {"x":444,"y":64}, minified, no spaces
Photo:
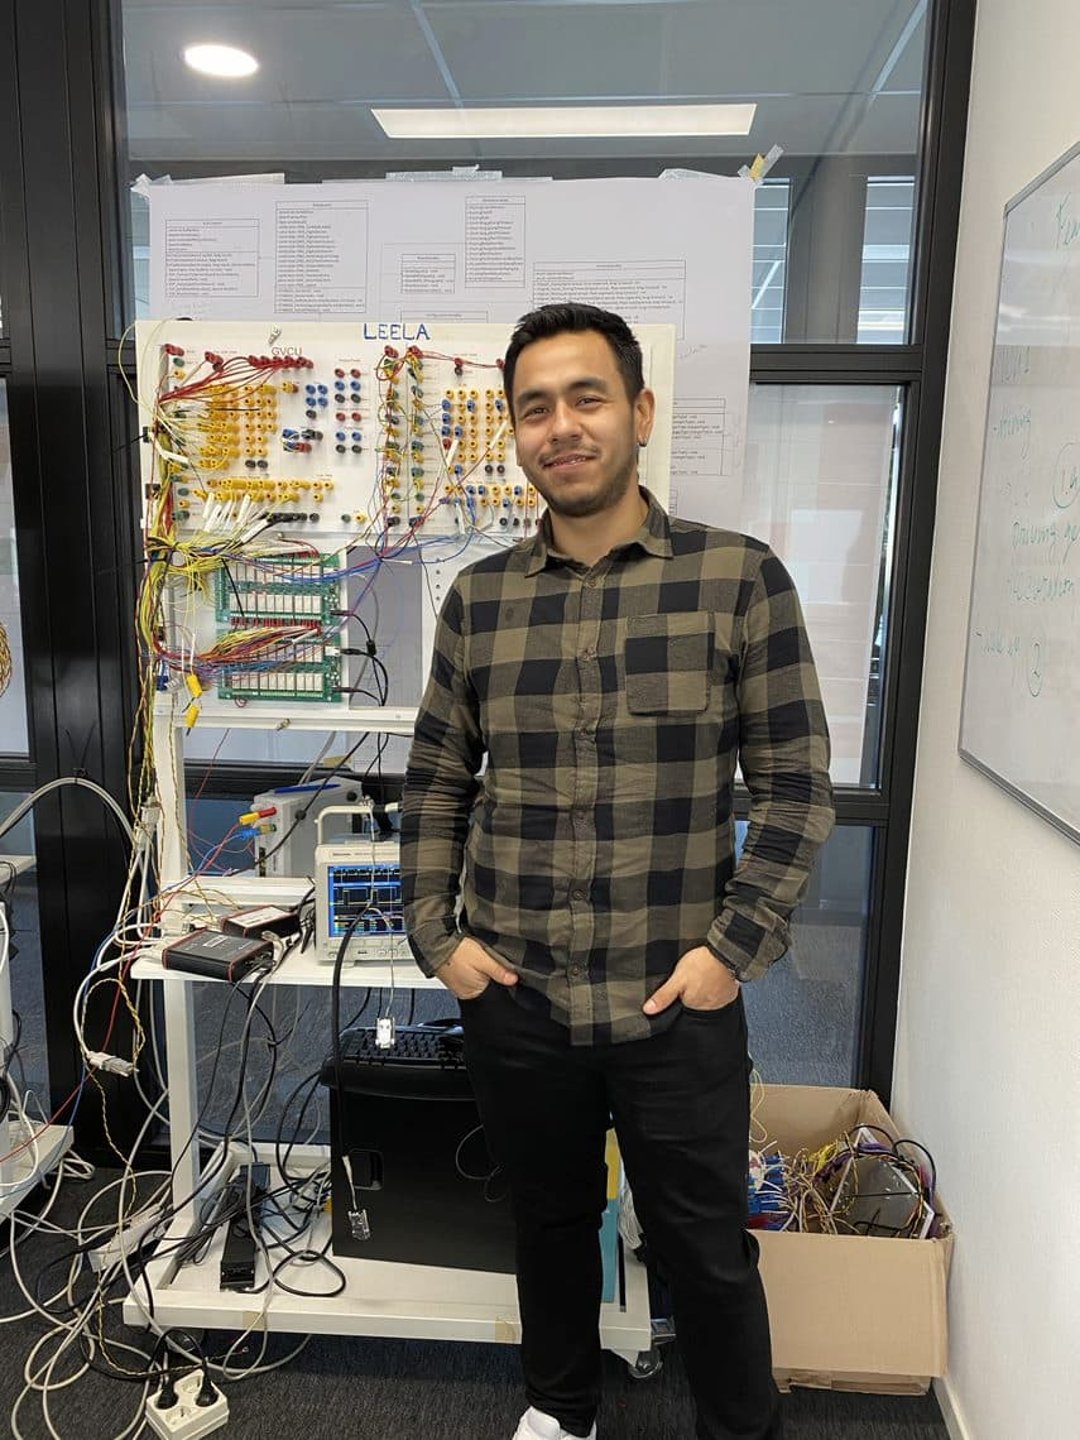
{"x":604,"y":497}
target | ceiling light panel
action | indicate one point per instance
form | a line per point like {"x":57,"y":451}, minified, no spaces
{"x":223,"y":61}
{"x":526,"y":122}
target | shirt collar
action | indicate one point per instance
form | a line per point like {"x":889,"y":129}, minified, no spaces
{"x":654,"y":538}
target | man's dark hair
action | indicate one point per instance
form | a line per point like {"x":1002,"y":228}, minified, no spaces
{"x":549,"y":320}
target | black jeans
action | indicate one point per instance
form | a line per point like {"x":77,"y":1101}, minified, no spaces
{"x":680,"y":1104}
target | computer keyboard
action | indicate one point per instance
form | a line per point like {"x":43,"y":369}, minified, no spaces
{"x":424,"y":1059}
{"x":440,"y":1046}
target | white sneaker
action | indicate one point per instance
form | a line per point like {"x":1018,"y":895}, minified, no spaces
{"x":535,"y":1425}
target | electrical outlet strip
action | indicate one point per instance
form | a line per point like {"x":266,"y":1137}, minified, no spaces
{"x":185,"y":1420}
{"x":126,"y":1243}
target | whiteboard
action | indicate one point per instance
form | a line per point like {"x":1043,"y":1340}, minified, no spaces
{"x":1020,"y":720}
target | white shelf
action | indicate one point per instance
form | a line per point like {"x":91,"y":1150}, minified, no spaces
{"x":380,"y":1298}
{"x":246,"y":888}
{"x":230,"y":891}
{"x":257,"y":715}
{"x":19,"y":863}
{"x":306,"y":969}
{"x":24,"y":1170}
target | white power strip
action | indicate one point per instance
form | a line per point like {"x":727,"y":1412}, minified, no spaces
{"x":126,"y":1243}
{"x":185,"y":1420}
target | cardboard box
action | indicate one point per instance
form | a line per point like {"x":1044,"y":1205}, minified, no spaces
{"x":850,"y":1312}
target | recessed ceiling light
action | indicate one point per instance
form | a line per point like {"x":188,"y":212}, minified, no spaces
{"x":224,"y":60}
{"x":568,"y":122}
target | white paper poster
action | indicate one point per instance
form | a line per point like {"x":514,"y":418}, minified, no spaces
{"x":655,"y":251}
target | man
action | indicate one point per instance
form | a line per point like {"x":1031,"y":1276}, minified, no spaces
{"x":612,"y":670}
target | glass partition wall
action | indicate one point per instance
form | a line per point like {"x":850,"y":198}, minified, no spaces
{"x":861,"y":109}
{"x":838,"y":88}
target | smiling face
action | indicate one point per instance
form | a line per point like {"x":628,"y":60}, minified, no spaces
{"x":576,"y":430}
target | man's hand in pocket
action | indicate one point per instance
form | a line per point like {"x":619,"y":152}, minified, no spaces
{"x":470,"y":970}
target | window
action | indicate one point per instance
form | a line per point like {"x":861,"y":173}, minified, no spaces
{"x":14,"y":739}
{"x":819,"y":486}
{"x":839,"y":87}
{"x":18,"y":883}
{"x":886,"y":260}
{"x":771,"y":214}
{"x":803,"y":1016}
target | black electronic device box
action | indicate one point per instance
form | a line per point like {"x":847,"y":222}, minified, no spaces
{"x":412,"y":1178}
{"x":260,"y":920}
{"x":216,"y":956}
{"x":245,"y":1192}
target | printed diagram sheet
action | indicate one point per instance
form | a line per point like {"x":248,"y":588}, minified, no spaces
{"x":315,"y":258}
{"x":674,"y":252}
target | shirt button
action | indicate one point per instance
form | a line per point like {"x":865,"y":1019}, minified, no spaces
{"x":588,"y":653}
{"x":578,"y":893}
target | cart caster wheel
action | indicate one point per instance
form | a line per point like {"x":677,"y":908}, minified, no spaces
{"x":648,"y":1364}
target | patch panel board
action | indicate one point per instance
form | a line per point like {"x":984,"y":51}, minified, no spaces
{"x":314,"y":675}
{"x":321,"y":448}
{"x":300,"y":589}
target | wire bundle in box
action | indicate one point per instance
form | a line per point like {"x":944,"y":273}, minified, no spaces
{"x":768,"y":1192}
{"x":862,"y":1183}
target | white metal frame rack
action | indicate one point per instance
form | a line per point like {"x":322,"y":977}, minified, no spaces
{"x":380,"y":1298}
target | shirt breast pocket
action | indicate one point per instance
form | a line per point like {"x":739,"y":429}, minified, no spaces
{"x":668,"y":663}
